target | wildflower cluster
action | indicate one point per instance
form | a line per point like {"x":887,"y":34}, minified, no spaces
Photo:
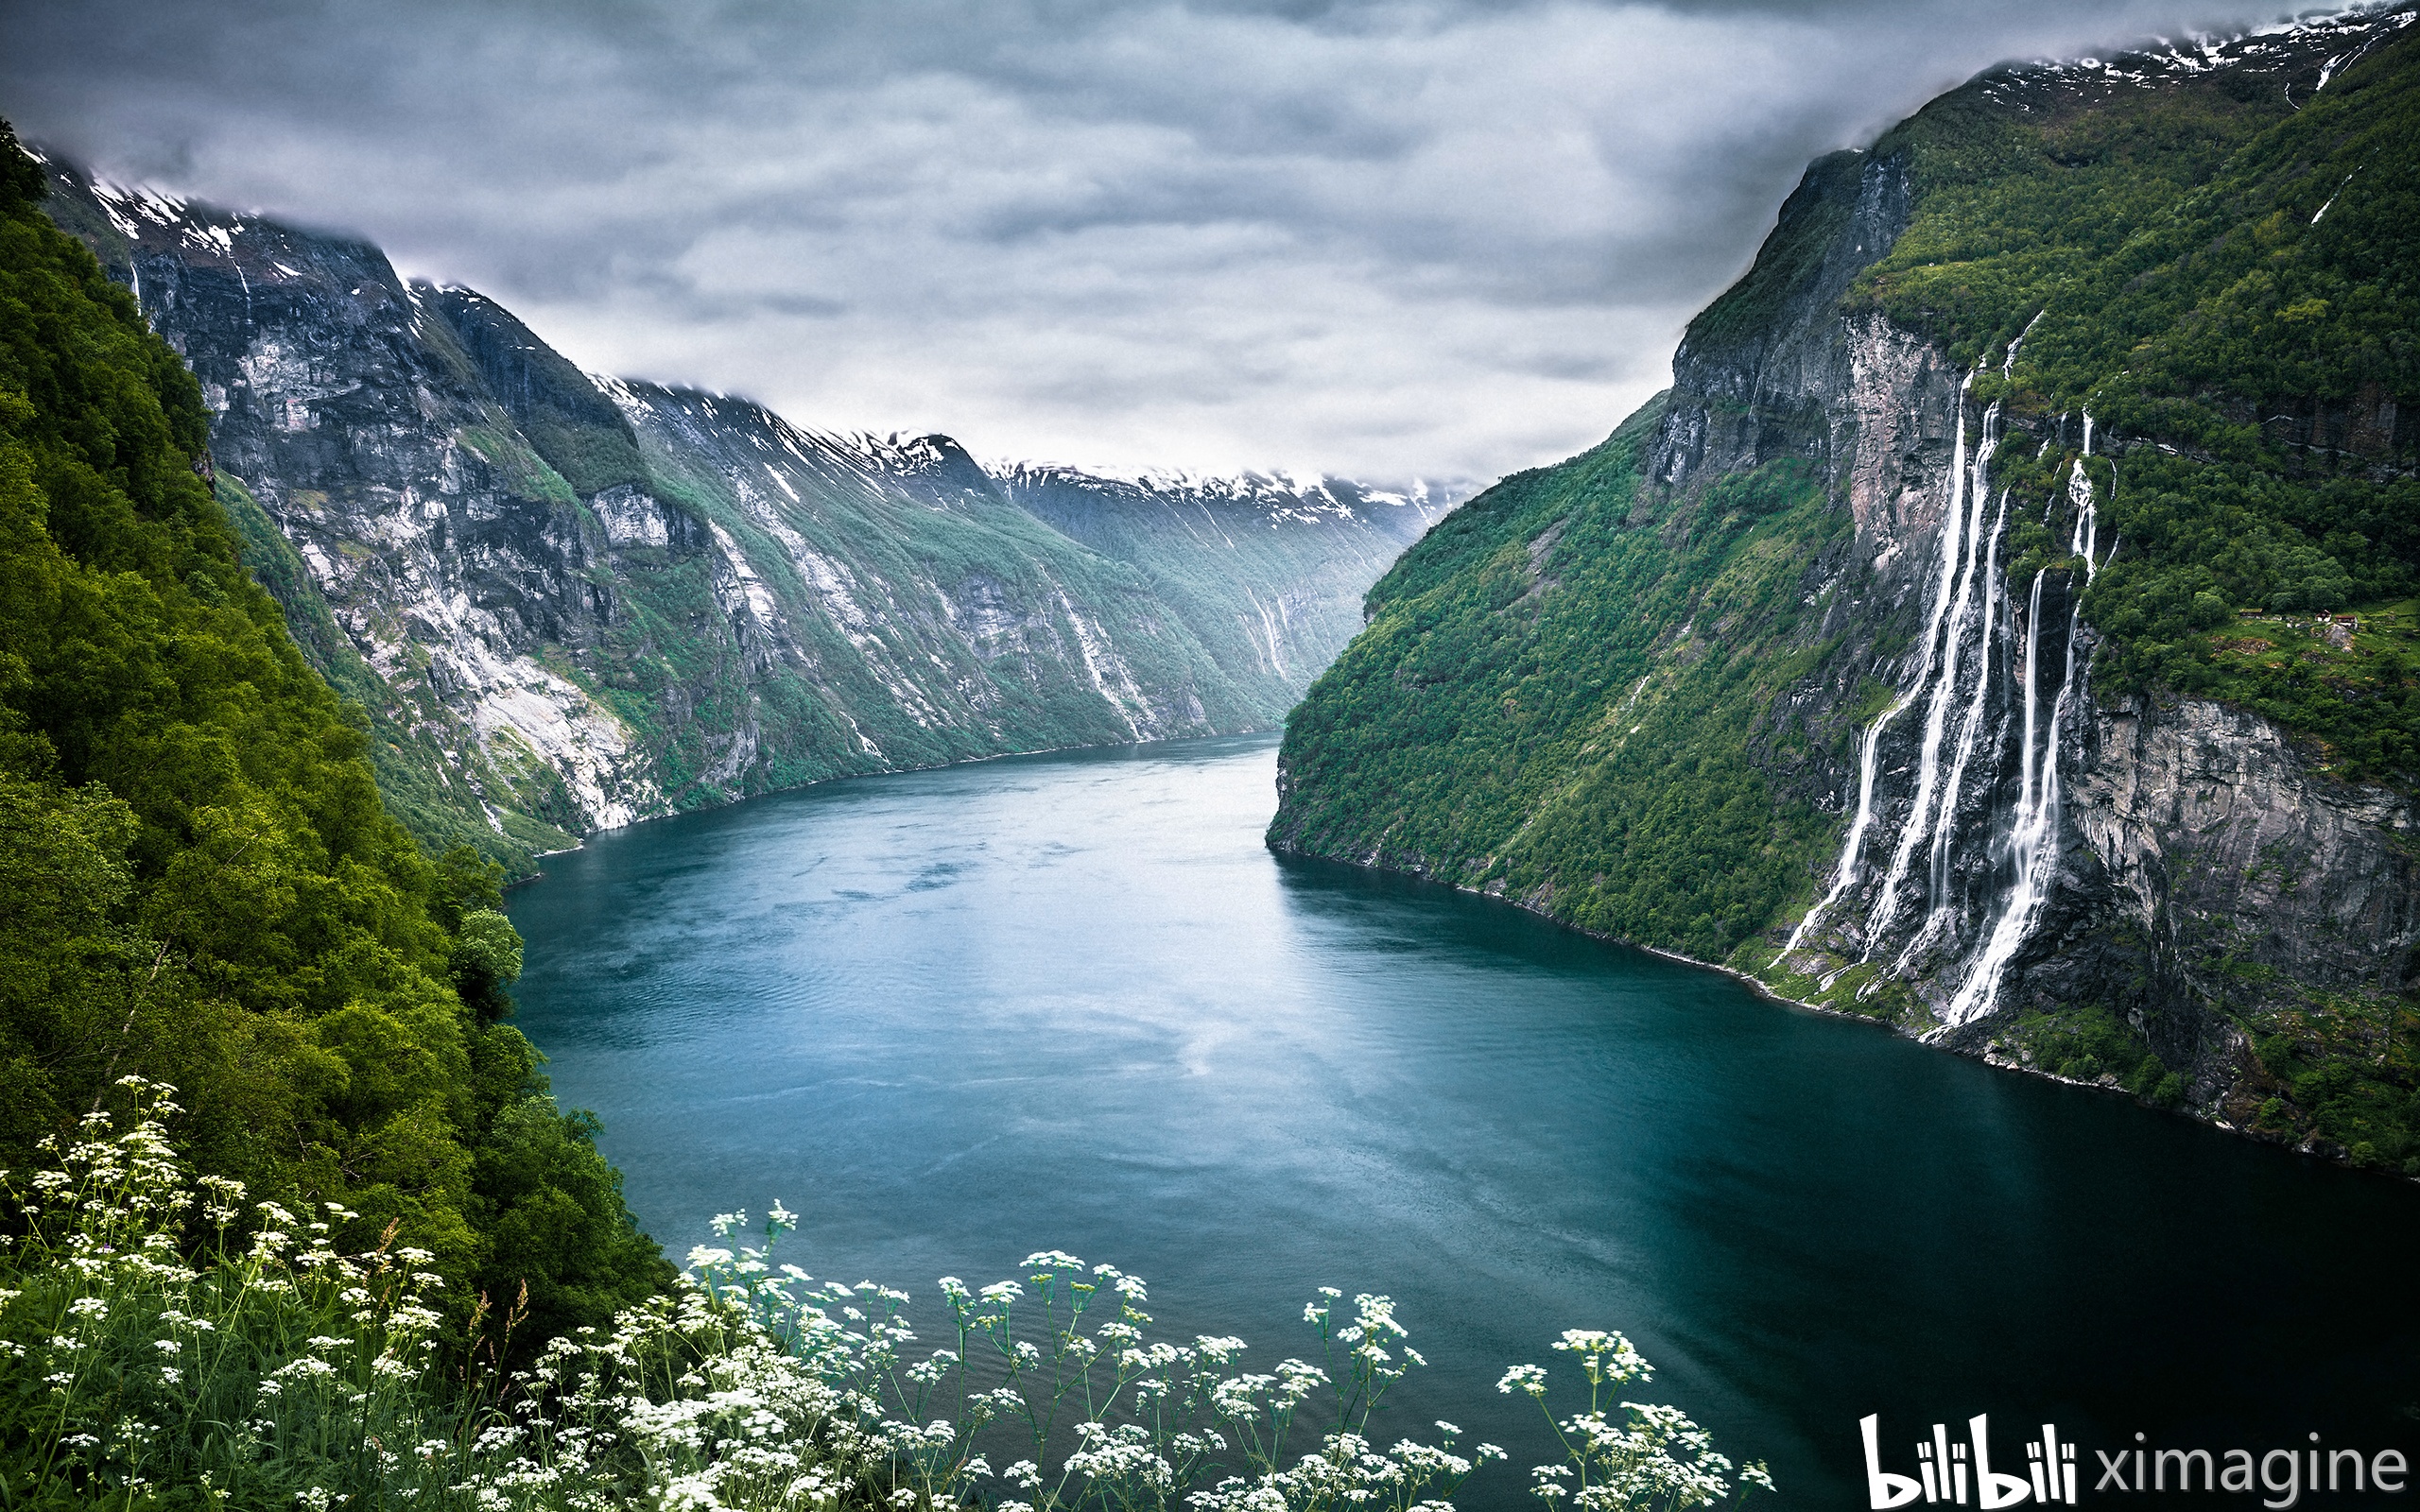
{"x":1655,"y":1460}
{"x":277,"y":1362}
{"x":1057,"y":1374}
{"x":278,"y":1373}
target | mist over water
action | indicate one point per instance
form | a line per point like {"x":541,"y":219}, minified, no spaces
{"x":1071,"y":1002}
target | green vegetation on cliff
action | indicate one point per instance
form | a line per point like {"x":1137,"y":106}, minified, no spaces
{"x":1620,"y":698}
{"x":2187,"y":290}
{"x":2228,"y":273}
{"x":1553,"y":693}
{"x":199,"y":883}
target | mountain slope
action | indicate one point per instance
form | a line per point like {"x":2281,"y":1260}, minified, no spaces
{"x":1551,"y":699}
{"x":1950,"y":644}
{"x":197,"y":882}
{"x":570,"y":602}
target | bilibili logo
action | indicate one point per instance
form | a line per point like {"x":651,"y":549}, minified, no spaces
{"x":1946,"y":1473}
{"x":1961,"y":1474}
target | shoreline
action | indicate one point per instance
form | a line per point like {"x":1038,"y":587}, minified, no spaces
{"x":2310,"y":1151}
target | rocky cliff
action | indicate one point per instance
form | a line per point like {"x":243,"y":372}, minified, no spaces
{"x":568,"y":602}
{"x":1957,"y":642}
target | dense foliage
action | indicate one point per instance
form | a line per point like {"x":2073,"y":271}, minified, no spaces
{"x":1553,"y":697}
{"x":2226,"y":277}
{"x":199,"y":883}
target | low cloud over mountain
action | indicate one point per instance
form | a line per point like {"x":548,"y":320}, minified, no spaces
{"x":1447,"y":238}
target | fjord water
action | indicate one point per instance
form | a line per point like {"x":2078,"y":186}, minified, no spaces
{"x":1070,"y":1001}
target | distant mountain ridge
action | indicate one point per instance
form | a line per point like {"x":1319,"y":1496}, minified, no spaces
{"x":568,"y":601}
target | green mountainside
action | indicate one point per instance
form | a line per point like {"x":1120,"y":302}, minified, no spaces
{"x":2222,"y":271}
{"x":1522,"y":716}
{"x":199,"y":883}
{"x":2162,"y":307}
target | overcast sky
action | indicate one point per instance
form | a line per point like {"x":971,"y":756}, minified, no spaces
{"x":1441,"y":239}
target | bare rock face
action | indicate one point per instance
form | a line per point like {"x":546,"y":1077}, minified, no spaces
{"x":2233,"y":879}
{"x":2208,"y":814}
{"x":435,"y":566}
{"x":568,"y":602}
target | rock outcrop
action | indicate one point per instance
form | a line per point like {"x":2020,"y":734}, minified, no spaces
{"x":2015,"y":847}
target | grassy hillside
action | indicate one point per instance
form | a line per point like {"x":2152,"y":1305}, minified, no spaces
{"x":1554,"y":692}
{"x":199,"y":883}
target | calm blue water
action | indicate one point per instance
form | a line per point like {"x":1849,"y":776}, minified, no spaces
{"x":1071,"y":1002}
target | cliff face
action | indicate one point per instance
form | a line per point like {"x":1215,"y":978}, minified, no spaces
{"x":567,"y":602}
{"x":2209,"y":867}
{"x":1868,"y":661}
{"x":2188,"y":867}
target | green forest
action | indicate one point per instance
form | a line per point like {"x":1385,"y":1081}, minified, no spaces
{"x":199,"y":882}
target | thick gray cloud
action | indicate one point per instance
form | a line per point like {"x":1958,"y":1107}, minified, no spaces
{"x":1440,"y":237}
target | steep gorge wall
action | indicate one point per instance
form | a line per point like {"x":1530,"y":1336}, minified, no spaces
{"x":566,"y":603}
{"x":2233,"y":883}
{"x":2186,"y":865}
{"x":1856,"y":551}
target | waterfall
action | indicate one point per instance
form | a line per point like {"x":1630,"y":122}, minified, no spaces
{"x":2032,"y":682}
{"x":2087,"y":539}
{"x":1846,"y":871}
{"x":1944,"y":831}
{"x":2032,"y":836}
{"x":2008,"y":364}
{"x":1955,"y":680}
{"x":1925,"y":814}
{"x":2033,"y":832}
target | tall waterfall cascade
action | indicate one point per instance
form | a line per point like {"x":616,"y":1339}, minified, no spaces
{"x":1952,"y":848}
